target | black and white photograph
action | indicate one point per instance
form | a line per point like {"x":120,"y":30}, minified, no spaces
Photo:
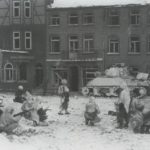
{"x":74,"y":74}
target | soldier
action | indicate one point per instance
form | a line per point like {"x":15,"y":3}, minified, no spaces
{"x":123,"y":106}
{"x":7,"y":120}
{"x":33,"y":111}
{"x":63,"y":91}
{"x":136,"y":113}
{"x":91,"y":112}
{"x":19,"y":95}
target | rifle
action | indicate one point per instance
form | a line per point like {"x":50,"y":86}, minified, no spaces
{"x":22,"y":113}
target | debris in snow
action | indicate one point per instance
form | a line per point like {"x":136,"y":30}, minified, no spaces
{"x":142,"y":76}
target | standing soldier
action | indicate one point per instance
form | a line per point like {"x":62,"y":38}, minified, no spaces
{"x":123,"y":106}
{"x":136,"y":112}
{"x":63,"y":91}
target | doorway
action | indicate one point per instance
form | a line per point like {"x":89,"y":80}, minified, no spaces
{"x":38,"y":74}
{"x":74,"y":78}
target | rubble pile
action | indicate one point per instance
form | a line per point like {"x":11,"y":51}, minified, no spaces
{"x":129,"y":74}
{"x":117,"y":72}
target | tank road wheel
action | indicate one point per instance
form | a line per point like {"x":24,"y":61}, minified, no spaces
{"x":85,"y":91}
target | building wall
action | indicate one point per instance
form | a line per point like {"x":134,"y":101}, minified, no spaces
{"x":64,"y":31}
{"x":35,"y":24}
{"x":124,"y":31}
{"x":102,"y":31}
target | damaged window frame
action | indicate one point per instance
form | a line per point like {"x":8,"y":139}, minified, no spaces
{"x":73,"y":19}
{"x":134,"y":45}
{"x":88,"y":43}
{"x":135,"y":17}
{"x":88,"y":19}
{"x":114,"y":17}
{"x":54,"y":20}
{"x":55,"y":47}
{"x":74,"y":43}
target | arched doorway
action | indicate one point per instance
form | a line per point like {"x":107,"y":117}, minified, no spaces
{"x":38,"y":74}
{"x":8,"y":72}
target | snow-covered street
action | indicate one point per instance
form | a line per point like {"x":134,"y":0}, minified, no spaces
{"x":69,"y":132}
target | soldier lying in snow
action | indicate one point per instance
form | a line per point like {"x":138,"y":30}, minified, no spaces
{"x":32,"y":111}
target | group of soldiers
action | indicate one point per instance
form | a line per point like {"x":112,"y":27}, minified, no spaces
{"x":91,"y":109}
{"x":30,"y":109}
{"x":130,"y":109}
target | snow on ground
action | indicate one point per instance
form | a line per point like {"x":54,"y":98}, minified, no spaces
{"x":87,"y":3}
{"x":69,"y":132}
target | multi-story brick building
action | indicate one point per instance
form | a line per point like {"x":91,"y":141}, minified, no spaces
{"x":82,"y":39}
{"x":22,"y":43}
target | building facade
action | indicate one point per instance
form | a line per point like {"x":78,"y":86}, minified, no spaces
{"x":83,"y":40}
{"x":22,"y":43}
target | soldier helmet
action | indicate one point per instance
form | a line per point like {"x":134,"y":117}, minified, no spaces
{"x":20,"y":87}
{"x":64,"y":81}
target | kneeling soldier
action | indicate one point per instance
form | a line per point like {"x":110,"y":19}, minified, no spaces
{"x":91,"y":112}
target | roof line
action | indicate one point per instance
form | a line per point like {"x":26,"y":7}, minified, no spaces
{"x":82,"y":6}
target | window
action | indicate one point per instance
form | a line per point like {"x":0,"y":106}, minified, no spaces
{"x":55,"y":44}
{"x":23,"y":72}
{"x":28,"y":40}
{"x":88,"y":43}
{"x":135,"y":17}
{"x":73,"y":19}
{"x":27,"y":9}
{"x":16,"y":9}
{"x":113,"y":46}
{"x":88,"y":18}
{"x":9,"y":73}
{"x":114,"y":17}
{"x":55,"y":20}
{"x":134,"y":45}
{"x":73,"y":43}
{"x":89,"y":74}
{"x":16,"y":40}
